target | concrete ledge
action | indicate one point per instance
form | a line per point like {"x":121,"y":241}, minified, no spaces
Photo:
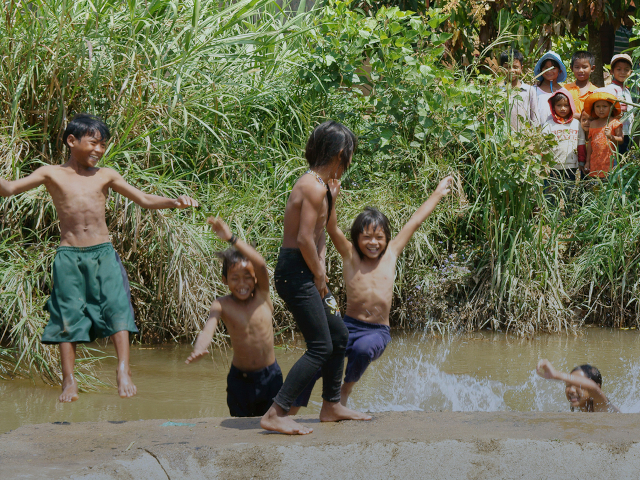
{"x":392,"y":446}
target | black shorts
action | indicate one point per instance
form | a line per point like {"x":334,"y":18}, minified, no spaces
{"x":250,"y":394}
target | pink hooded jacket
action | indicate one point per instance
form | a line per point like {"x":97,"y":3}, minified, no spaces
{"x":566,"y":131}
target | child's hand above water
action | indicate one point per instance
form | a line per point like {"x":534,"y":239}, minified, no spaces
{"x":197,"y":354}
{"x":546,"y":370}
{"x":220,"y":228}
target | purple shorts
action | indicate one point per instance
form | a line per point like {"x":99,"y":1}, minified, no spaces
{"x":367,"y":342}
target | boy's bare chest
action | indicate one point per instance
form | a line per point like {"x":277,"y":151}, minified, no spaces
{"x":82,"y":191}
{"x":252,"y":316}
{"x":375,"y":276}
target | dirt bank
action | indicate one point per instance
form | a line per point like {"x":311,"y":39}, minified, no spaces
{"x":392,"y":446}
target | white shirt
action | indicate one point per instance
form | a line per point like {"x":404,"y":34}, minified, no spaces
{"x":565,"y":153}
{"x":621,"y":93}
{"x":543,"y":107}
{"x":523,"y":106}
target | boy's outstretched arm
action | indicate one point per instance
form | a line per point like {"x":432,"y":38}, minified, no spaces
{"x":340,"y":241}
{"x":401,"y":240}
{"x":546,"y":370}
{"x":37,"y":178}
{"x":222,"y":230}
{"x":201,"y":347}
{"x":146,"y":200}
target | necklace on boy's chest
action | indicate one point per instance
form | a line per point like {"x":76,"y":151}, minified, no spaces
{"x":316,"y":176}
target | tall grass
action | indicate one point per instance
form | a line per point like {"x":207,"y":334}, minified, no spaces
{"x":217,"y":102}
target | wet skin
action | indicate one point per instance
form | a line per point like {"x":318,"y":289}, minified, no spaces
{"x":79,"y":191}
{"x":304,"y":221}
{"x":247,"y":312}
{"x":305,"y":217}
{"x":581,"y":392}
{"x":369,"y":280}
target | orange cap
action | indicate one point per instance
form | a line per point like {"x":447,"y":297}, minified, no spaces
{"x":596,"y":96}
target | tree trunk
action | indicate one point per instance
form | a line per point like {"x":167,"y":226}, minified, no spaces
{"x":597,"y":77}
{"x":607,"y":39}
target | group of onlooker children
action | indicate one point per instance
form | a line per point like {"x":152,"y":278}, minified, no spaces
{"x":591,"y":125}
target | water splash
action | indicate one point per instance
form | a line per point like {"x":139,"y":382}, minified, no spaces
{"x":625,"y":394}
{"x":421,"y":378}
{"x":418,"y":382}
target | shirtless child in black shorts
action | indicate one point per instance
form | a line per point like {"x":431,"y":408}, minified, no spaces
{"x":255,"y":377}
{"x":90,"y":297}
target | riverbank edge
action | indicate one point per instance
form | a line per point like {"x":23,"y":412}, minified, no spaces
{"x":393,"y":445}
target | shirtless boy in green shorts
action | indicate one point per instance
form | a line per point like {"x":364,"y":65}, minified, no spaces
{"x":90,"y":297}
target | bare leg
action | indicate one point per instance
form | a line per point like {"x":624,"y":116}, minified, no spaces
{"x":69,"y":384}
{"x":345,"y":391}
{"x":335,"y":411}
{"x":294,"y":411}
{"x":277,"y":420}
{"x":126,"y":388}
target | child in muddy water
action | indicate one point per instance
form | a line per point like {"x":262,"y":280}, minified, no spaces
{"x":255,"y":377}
{"x":583,"y":387}
{"x":369,"y":270}
{"x":90,"y":297}
{"x":301,"y":281}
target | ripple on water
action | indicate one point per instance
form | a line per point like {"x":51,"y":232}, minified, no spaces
{"x":476,"y":372}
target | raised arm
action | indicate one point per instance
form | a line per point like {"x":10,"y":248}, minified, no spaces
{"x":146,"y":200}
{"x":546,"y":370}
{"x":222,"y":230}
{"x":401,"y":240}
{"x":340,"y":241}
{"x":37,"y":178}
{"x":201,"y":347}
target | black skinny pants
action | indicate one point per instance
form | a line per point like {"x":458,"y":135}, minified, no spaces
{"x":321,"y":325}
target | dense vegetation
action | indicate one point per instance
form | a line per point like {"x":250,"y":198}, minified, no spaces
{"x":218,"y":102}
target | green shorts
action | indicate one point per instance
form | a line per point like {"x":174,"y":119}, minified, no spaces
{"x":91,"y":296}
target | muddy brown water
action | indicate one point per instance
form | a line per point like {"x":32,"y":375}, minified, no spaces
{"x":475,"y":372}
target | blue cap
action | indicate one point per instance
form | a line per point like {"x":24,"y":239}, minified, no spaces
{"x":562,"y":76}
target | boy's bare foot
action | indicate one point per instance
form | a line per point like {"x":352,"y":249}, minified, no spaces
{"x":69,"y":391}
{"x":126,"y":388}
{"x":335,"y":411}
{"x":277,"y":420}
